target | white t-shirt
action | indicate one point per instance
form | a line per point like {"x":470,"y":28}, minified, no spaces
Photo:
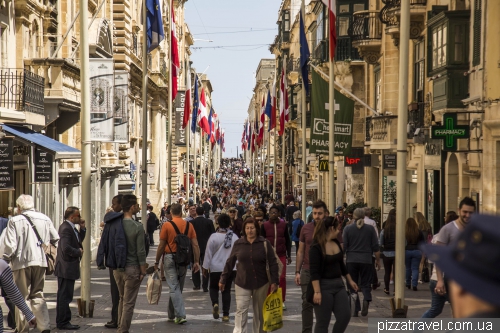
{"x":371,"y":222}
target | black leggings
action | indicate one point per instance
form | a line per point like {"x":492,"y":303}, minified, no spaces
{"x":226,"y":294}
{"x":388,"y":267}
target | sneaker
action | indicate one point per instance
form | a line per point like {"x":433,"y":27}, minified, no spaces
{"x":170,"y":320}
{"x":364,"y":310}
{"x":392,"y":282}
{"x":180,"y":321}
{"x":284,"y":306}
{"x":225,"y":318}
{"x":420,"y":281}
{"x":215,"y":311}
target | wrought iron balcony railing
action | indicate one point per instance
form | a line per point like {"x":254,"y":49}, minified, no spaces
{"x":366,"y":25}
{"x":387,"y":12}
{"x":416,"y":115}
{"x":21,"y":90}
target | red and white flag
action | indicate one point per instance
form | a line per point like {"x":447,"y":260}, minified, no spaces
{"x":202,"y":113}
{"x":174,"y":52}
{"x":284,"y":108}
{"x":187,"y":103}
{"x":332,"y":32}
{"x":262,"y":122}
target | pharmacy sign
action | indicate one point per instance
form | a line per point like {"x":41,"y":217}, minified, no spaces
{"x":450,"y":132}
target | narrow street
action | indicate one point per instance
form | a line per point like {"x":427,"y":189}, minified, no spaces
{"x":149,"y":318}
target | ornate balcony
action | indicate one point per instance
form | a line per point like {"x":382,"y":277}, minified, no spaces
{"x":21,"y":90}
{"x":390,"y":16}
{"x":366,"y":34}
{"x":381,"y":132}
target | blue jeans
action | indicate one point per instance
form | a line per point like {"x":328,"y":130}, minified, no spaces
{"x":175,"y":279}
{"x":437,"y":304}
{"x":412,"y":263}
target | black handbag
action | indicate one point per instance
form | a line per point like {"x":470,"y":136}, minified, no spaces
{"x":425,"y":272}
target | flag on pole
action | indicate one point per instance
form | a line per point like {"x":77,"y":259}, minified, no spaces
{"x":249,"y":134}
{"x":284,"y":109}
{"x":187,"y":103}
{"x":269,"y":106}
{"x":304,"y":54}
{"x":154,"y":24}
{"x":223,"y":145}
{"x":217,"y":133}
{"x":210,"y":124}
{"x":261,"y":123}
{"x":332,"y":31}
{"x":244,"y":137}
{"x":174,"y":52}
{"x":202,"y":113}
{"x":196,"y":105}
{"x":272,"y":123}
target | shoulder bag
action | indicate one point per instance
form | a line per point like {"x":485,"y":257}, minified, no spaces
{"x":49,"y":250}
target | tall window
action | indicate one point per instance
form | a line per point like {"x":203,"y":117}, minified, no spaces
{"x":3,"y":46}
{"x":439,"y":41}
{"x":476,"y":54}
{"x":378,"y":89}
{"x":320,"y":28}
{"x":419,"y":71}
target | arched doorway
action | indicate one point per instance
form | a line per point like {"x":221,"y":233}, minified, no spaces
{"x":452,"y":184}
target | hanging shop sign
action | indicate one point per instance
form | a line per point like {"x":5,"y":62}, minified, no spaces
{"x":324,"y":166}
{"x":180,"y":133}
{"x":120,"y":107}
{"x":390,"y":161}
{"x":7,"y":164}
{"x":102,"y":88}
{"x":356,"y":161}
{"x":43,"y":166}
{"x":320,"y":128}
{"x":450,"y":132}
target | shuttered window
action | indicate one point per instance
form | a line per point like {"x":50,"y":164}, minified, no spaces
{"x":476,"y":52}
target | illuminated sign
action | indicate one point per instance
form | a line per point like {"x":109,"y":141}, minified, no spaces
{"x":450,"y":132}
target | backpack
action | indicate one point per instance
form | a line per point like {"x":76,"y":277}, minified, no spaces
{"x":184,"y":249}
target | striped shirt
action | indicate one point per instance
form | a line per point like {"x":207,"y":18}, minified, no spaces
{"x":7,"y":284}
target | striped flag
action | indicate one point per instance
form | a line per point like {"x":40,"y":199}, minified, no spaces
{"x":332,"y":32}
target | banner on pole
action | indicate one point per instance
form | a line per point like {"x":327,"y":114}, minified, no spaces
{"x":101,"y":99}
{"x":121,"y":107}
{"x":180,"y":133}
{"x":344,"y":116}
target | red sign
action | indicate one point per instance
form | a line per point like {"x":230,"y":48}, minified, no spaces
{"x":352,"y":160}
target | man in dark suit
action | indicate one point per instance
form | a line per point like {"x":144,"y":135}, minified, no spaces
{"x":204,"y":228}
{"x":67,"y":270}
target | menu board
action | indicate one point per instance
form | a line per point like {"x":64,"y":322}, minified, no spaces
{"x":43,"y":166}
{"x":7,"y":164}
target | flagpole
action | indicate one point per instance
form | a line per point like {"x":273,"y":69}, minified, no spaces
{"x":331,"y":133}
{"x":86,"y":153}
{"x":209,"y":160}
{"x":202,"y":164}
{"x":283,"y":137}
{"x":144,"y":164}
{"x":304,"y":106}
{"x":275,"y":152}
{"x":195,"y":166}
{"x":169,"y":126}
{"x":268,"y":153}
{"x":399,"y":269}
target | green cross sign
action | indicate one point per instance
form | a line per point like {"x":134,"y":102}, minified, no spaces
{"x":450,"y":132}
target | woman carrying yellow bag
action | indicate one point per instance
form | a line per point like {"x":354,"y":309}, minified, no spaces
{"x":251,"y":275}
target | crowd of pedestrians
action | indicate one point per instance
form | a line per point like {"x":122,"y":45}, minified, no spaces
{"x":248,"y":243}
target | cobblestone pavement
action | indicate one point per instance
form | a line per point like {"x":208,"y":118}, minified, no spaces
{"x":148,"y":318}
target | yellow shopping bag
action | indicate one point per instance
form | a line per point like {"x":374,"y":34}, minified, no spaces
{"x":273,"y":312}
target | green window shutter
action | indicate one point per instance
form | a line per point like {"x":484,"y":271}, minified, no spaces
{"x":476,"y":52}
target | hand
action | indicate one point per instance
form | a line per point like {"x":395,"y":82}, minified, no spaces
{"x":274,"y":287}
{"x":354,"y":286}
{"x":297,"y":279}
{"x":196,"y":267}
{"x":377,"y":265}
{"x":81,"y":252}
{"x":221,"y":286}
{"x":156,"y":267}
{"x":440,"y":288}
{"x":317,"y":298}
{"x":205,"y":272}
{"x":289,"y":260}
{"x":141,"y":276}
{"x":82,"y":224}
{"x":32,"y":323}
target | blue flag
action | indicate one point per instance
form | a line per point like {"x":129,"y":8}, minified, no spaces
{"x":196,"y":105}
{"x":269,"y":106}
{"x":154,"y":24}
{"x":304,"y":54}
{"x":210,"y":124}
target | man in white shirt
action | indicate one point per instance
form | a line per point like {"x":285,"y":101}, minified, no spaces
{"x":27,"y":259}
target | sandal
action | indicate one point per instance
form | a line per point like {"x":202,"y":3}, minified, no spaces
{"x":386,"y":291}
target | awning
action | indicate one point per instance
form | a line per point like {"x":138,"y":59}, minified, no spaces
{"x":312,"y":185}
{"x":60,"y":150}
